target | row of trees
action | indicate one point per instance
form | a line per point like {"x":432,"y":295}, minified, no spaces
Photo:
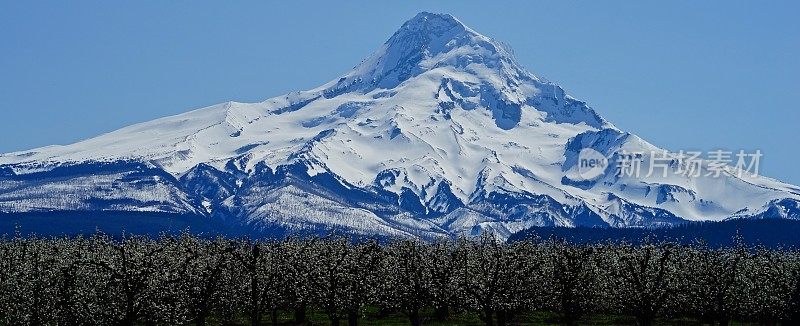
{"x":190,"y":280}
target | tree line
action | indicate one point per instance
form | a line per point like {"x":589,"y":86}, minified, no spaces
{"x":173,"y":280}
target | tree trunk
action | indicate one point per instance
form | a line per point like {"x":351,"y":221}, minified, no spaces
{"x":569,"y":319}
{"x":228,"y":321}
{"x":352,"y":318}
{"x":384,"y":312}
{"x":441,"y":313}
{"x":274,"y":317}
{"x":130,"y":313}
{"x":128,"y":321}
{"x":501,"y":318}
{"x":334,"y":321}
{"x":488,"y":317}
{"x":255,"y":317}
{"x":643,"y":320}
{"x":413,"y":317}
{"x":300,"y":315}
{"x":200,"y":319}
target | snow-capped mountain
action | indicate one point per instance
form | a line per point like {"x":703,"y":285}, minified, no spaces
{"x":439,"y":132}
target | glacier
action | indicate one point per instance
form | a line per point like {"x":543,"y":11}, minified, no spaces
{"x":440,"y":132}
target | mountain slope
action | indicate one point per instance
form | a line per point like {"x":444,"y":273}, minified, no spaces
{"x":439,"y":132}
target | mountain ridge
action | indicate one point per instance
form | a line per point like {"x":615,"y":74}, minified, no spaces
{"x":439,"y":132}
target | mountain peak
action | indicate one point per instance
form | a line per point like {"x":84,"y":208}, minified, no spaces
{"x":425,"y":42}
{"x":482,"y":71}
{"x":431,"y":24}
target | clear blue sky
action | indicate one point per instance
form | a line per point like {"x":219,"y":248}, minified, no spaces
{"x":697,"y":75}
